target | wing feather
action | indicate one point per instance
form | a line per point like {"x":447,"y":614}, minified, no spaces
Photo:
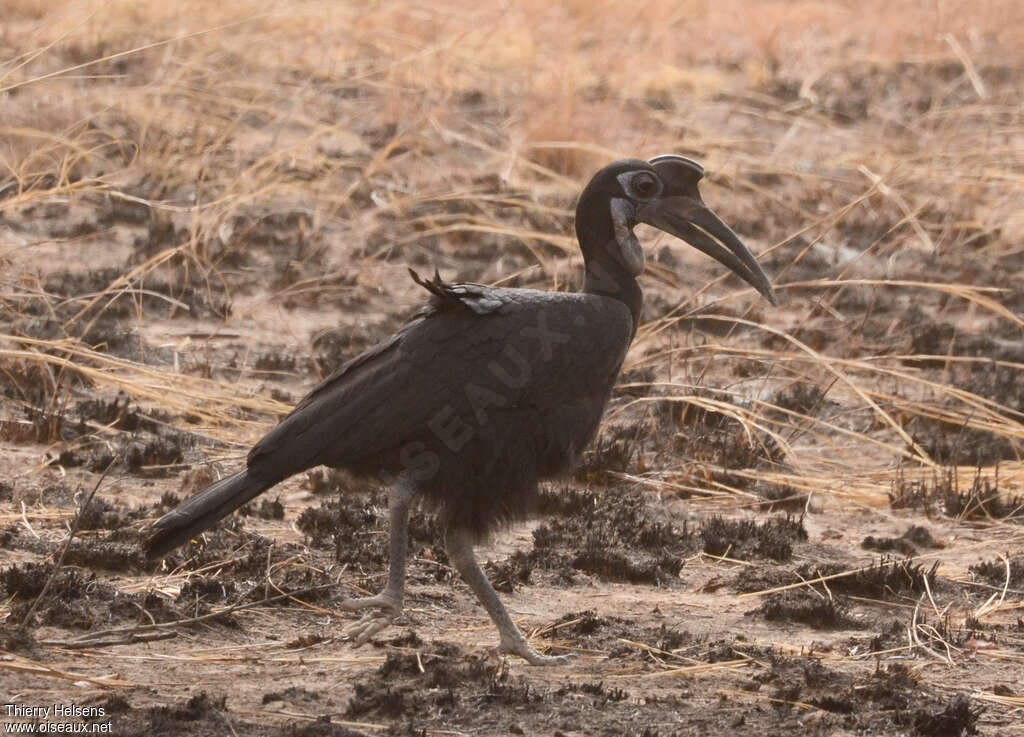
{"x":456,"y":359}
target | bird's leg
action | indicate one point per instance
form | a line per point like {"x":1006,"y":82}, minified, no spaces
{"x":388,"y":601}
{"x":460,"y":551}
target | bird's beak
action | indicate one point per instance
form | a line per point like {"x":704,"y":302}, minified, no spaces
{"x":694,"y":222}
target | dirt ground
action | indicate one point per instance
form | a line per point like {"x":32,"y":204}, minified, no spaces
{"x":802,"y":520}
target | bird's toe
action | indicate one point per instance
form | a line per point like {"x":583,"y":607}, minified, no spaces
{"x":384,"y":601}
{"x":389,"y":610}
{"x":531,"y":656}
{"x":369,"y":626}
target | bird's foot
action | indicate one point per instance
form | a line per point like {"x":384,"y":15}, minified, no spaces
{"x":389,"y":609}
{"x":531,"y":656}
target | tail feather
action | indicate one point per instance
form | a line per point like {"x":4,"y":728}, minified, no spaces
{"x":200,"y":512}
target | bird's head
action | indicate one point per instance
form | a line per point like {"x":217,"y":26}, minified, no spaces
{"x":661,"y":192}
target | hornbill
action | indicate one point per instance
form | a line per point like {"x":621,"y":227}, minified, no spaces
{"x":485,"y":392}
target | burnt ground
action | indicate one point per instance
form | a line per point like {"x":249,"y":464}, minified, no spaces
{"x":803,"y":520}
{"x":665,"y":610}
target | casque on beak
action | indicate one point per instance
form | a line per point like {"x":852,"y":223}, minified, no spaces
{"x":680,"y":211}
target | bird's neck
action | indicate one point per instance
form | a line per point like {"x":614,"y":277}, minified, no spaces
{"x":603,"y":273}
{"x":605,"y":277}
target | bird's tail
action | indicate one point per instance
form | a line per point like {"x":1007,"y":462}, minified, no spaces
{"x":201,"y":511}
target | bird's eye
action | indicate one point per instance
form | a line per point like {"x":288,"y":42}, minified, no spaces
{"x":644,"y":185}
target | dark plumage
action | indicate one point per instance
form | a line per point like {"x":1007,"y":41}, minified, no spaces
{"x":486,"y":391}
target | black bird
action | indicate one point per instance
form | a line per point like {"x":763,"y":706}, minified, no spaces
{"x":485,"y":392}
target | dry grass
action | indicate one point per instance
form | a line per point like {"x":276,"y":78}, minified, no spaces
{"x":216,"y":113}
{"x":290,"y":162}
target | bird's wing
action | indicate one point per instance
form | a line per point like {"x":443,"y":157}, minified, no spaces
{"x":474,"y":349}
{"x":478,"y":298}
